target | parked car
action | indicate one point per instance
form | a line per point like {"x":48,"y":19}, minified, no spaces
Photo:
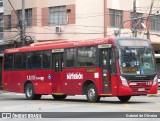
{"x":159,"y":82}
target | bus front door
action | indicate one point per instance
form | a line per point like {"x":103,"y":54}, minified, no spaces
{"x":58,"y":68}
{"x":105,"y":64}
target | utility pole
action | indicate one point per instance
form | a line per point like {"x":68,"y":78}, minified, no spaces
{"x":148,"y":22}
{"x":23,"y":26}
{"x":134,"y":23}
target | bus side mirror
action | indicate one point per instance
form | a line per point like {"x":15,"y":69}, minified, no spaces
{"x":117,"y":53}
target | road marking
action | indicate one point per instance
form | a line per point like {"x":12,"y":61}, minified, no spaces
{"x":70,"y":102}
{"x":20,"y":94}
{"x":127,"y":106}
{"x":10,"y":108}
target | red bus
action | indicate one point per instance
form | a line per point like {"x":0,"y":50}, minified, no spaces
{"x":121,"y":67}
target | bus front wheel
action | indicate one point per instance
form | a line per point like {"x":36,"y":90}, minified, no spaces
{"x":29,"y":92}
{"x":124,"y":98}
{"x":91,"y":93}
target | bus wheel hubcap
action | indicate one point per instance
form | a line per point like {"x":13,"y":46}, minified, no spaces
{"x":29,"y":92}
{"x":91,"y":93}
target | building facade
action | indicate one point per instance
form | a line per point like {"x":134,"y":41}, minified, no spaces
{"x":1,"y":38}
{"x":48,"y":20}
{"x":1,"y":21}
{"x":3,"y":45}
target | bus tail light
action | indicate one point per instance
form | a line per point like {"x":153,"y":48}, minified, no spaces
{"x":124,"y":81}
{"x":155,"y":80}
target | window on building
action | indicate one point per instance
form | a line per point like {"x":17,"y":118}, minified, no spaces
{"x":71,"y":57}
{"x":19,"y":13}
{"x":46,"y":59}
{"x":8,"y":22}
{"x":137,"y":22}
{"x":1,"y":37}
{"x":57,"y":15}
{"x":1,"y":22}
{"x":116,"y":17}
{"x":28,"y":13}
{"x":1,"y":3}
{"x":155,"y":23}
{"x":28,"y":16}
{"x":86,"y":56}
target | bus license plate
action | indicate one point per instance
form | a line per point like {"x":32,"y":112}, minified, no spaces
{"x":141,"y":89}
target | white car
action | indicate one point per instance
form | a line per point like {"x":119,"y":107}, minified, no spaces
{"x":159,"y":82}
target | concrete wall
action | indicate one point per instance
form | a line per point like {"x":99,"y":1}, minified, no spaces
{"x":143,"y":6}
{"x":90,"y":18}
{"x":89,"y":21}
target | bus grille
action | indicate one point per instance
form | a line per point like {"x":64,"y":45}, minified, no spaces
{"x":140,"y":88}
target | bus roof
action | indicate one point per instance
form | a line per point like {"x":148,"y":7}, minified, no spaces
{"x":59,"y":44}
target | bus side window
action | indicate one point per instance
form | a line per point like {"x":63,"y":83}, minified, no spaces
{"x":86,"y":56}
{"x":71,"y":57}
{"x":46,"y":63}
{"x":18,"y":61}
{"x":29,"y":60}
{"x":36,"y":60}
{"x":24,"y":60}
{"x":8,"y":62}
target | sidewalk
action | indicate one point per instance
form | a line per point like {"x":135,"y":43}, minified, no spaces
{"x":154,"y":95}
{"x":1,"y":91}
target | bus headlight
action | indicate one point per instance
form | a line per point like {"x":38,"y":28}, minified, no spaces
{"x":155,"y":80}
{"x":124,"y":81}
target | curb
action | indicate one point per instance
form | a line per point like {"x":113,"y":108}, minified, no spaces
{"x":154,"y":95}
{"x":2,"y":91}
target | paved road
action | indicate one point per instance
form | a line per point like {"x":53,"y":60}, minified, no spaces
{"x":13,"y":102}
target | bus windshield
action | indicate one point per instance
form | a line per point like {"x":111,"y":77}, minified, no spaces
{"x":137,"y":61}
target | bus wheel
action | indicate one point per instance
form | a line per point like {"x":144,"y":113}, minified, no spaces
{"x":29,"y":92}
{"x":59,"y":97}
{"x":124,"y":98}
{"x":91,"y":93}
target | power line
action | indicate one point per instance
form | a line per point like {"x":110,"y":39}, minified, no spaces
{"x":69,"y":33}
{"x":14,"y":10}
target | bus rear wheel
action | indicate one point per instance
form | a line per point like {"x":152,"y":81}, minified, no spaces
{"x":124,"y":98}
{"x":59,"y":97}
{"x":91,"y":93}
{"x":29,"y":92}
